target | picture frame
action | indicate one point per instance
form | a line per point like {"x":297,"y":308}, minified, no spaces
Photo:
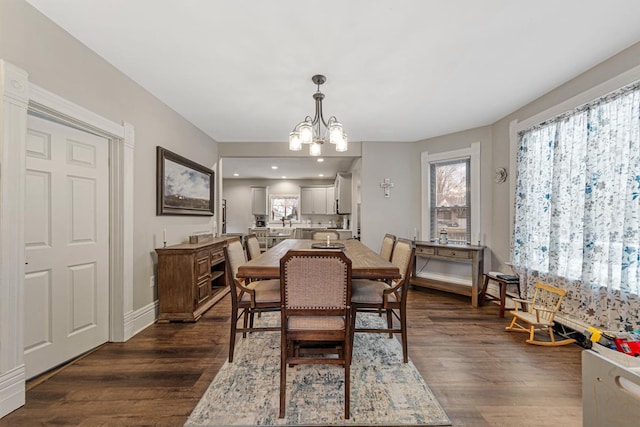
{"x":183,"y":187}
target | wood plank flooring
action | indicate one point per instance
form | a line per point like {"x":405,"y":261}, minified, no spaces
{"x":482,"y":375}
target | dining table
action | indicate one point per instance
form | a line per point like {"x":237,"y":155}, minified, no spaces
{"x":365,"y":263}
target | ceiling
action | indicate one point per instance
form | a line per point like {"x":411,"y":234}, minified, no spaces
{"x":287,"y":168}
{"x":397,"y":70}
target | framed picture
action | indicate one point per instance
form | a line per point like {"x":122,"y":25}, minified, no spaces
{"x":183,"y":187}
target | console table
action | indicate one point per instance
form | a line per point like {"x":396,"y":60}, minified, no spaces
{"x":191,"y":279}
{"x":470,"y":254}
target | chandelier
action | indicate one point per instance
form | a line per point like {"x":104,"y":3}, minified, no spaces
{"x":314,"y":132}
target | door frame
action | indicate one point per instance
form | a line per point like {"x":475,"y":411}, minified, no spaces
{"x":17,"y":97}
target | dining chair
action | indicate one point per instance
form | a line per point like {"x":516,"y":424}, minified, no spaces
{"x":375,"y":295}
{"x":247,"y":298}
{"x":386,"y":249}
{"x":322,"y":235}
{"x":253,"y":246}
{"x":315,"y":291}
{"x":261,"y":234}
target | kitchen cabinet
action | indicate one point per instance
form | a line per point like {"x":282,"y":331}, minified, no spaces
{"x":343,"y":193}
{"x":313,"y":200}
{"x":331,"y":200}
{"x":191,"y":279}
{"x":259,"y":200}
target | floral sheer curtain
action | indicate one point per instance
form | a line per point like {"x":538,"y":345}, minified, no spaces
{"x":577,"y":208}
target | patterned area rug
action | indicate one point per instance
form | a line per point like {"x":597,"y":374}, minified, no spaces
{"x":384,"y":391}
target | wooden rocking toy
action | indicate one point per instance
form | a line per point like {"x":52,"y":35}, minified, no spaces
{"x":538,"y":314}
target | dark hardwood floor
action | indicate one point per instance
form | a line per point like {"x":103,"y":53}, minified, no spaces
{"x":482,"y":375}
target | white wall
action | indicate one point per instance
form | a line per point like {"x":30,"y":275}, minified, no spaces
{"x":397,"y":214}
{"x":457,"y":141}
{"x":60,"y":64}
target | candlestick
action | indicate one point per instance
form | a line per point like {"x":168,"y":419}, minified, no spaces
{"x":164,"y":236}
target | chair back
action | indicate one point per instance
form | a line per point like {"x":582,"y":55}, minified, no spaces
{"x":403,"y":257}
{"x":253,"y":246}
{"x":261,"y":234}
{"x":387,"y":246}
{"x":322,"y":235}
{"x":234,"y":257}
{"x":548,"y":298}
{"x":315,"y":283}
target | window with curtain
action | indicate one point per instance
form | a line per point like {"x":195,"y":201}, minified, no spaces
{"x":577,"y":201}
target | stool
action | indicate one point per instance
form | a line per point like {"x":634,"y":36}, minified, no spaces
{"x":503,"y":280}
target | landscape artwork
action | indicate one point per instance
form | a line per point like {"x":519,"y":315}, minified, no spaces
{"x":184,"y":187}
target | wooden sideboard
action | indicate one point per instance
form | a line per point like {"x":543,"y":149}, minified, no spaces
{"x":191,"y":279}
{"x":451,"y":253}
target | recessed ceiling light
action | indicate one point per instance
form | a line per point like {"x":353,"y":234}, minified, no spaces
{"x":320,"y":174}
{"x":320,"y":160}
{"x":274,"y":167}
{"x":284,"y":177}
{"x":236,"y":174}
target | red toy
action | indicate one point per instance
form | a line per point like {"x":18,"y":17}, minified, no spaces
{"x":632,"y":348}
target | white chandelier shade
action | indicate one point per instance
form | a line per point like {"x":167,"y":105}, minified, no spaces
{"x":311,"y":132}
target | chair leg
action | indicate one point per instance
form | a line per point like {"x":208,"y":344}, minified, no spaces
{"x":403,"y":332}
{"x":353,"y":329}
{"x":483,"y":293}
{"x":513,"y":322}
{"x":283,"y":377}
{"x":251,"y":315}
{"x":232,"y":337}
{"x":245,"y":318}
{"x":390,"y":321}
{"x":347,"y":390}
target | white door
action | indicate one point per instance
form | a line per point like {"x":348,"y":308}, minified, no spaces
{"x":66,"y":293}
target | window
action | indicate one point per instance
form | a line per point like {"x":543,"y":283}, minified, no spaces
{"x":450,"y":199}
{"x":451,"y":195}
{"x":284,"y":207}
{"x":577,"y":199}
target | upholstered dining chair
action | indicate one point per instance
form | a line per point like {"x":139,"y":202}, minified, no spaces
{"x":315,"y":291}
{"x":253,"y":246}
{"x":387,"y":246}
{"x":247,"y":298}
{"x":374,"y":295}
{"x":322,"y":235}
{"x":261,"y":234}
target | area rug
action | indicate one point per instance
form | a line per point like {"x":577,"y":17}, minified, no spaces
{"x":384,"y":391}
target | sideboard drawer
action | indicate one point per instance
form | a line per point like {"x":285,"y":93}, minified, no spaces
{"x":217,"y":257}
{"x":421,"y":250}
{"x":454,"y":253}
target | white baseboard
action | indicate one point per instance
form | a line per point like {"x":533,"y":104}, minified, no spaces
{"x":12,"y":390}
{"x":140,"y":319}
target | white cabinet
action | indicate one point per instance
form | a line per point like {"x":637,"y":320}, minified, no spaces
{"x":313,"y":200}
{"x":258,"y":200}
{"x":343,"y":193}
{"x":331,"y":200}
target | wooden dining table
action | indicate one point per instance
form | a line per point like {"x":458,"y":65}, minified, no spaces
{"x":365,"y":263}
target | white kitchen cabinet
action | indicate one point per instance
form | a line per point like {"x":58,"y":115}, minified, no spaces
{"x":331,"y":200}
{"x":343,"y":193}
{"x":258,"y":200}
{"x":313,"y":200}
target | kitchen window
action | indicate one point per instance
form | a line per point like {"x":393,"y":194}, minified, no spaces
{"x":283,"y":207}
